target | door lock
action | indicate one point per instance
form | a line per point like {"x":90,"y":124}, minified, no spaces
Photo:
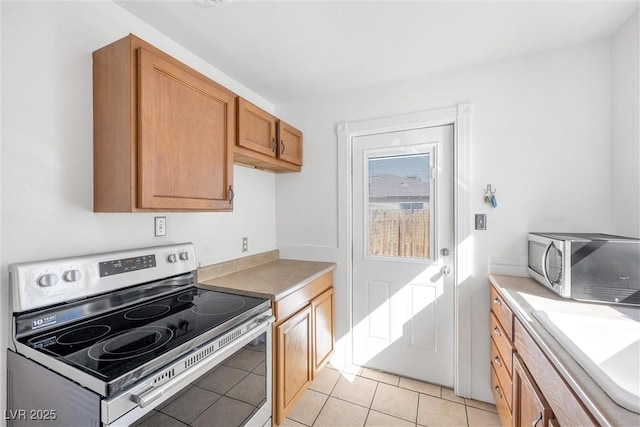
{"x":444,"y":252}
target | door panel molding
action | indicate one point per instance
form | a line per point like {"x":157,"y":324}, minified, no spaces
{"x":423,"y":310}
{"x":460,"y":117}
{"x":378,"y":301}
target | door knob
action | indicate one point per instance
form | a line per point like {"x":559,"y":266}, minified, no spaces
{"x":445,"y":270}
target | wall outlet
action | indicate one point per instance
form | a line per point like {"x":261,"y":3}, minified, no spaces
{"x":481,"y":221}
{"x":160,"y":225}
{"x":245,"y":244}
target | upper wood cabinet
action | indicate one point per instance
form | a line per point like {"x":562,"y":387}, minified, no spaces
{"x":290,"y":143}
{"x":163,"y":133}
{"x":266,"y":142}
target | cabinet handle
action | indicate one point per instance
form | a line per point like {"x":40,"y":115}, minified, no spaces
{"x":535,"y":423}
{"x":274,"y":144}
{"x":231,"y":194}
{"x":497,"y":360}
{"x":497,"y":390}
{"x":282,"y":144}
{"x":496,"y":300}
{"x":497,"y":331}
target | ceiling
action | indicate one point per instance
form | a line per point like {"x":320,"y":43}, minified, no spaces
{"x":290,"y":50}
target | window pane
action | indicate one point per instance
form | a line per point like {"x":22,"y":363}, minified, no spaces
{"x":399,"y":206}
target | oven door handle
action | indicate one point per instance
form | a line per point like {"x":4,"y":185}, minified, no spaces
{"x":148,"y":396}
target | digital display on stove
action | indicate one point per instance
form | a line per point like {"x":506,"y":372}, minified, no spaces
{"x":125,"y":265}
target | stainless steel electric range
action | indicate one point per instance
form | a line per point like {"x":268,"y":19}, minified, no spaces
{"x":108,"y":339}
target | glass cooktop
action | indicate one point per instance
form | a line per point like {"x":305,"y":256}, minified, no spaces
{"x":114,"y":344}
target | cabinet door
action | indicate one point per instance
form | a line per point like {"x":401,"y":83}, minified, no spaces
{"x":256,"y":129}
{"x":530,"y":408}
{"x":323,"y":329}
{"x":290,"y":147}
{"x":186,"y":131}
{"x":293,"y":370}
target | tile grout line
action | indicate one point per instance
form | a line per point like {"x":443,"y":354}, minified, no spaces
{"x":417,"y":409}
{"x":371,"y":404}
{"x":327,"y":399}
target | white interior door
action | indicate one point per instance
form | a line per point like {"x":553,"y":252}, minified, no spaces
{"x":403,"y":303}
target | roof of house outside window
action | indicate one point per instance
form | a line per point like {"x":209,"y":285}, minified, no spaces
{"x":393,"y":188}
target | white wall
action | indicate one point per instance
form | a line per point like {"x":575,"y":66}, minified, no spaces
{"x":540,"y":136}
{"x":625,"y":134}
{"x":47,"y":138}
{"x":4,"y":295}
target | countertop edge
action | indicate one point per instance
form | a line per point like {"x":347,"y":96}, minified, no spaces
{"x":580,"y":382}
{"x":214,"y":283}
{"x":304,"y":282}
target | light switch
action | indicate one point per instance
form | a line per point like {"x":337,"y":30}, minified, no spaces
{"x":481,"y":221}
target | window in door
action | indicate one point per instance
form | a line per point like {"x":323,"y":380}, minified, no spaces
{"x":400,"y":211}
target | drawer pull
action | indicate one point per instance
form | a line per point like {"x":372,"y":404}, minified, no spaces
{"x":497,"y":331}
{"x":496,"y":300}
{"x":497,"y":390}
{"x":535,"y":423}
{"x":497,"y":361}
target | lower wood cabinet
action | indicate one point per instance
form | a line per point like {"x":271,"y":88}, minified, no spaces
{"x":323,"y":336}
{"x":304,"y":341}
{"x":504,"y":411}
{"x":567,"y":409}
{"x":501,"y":331}
{"x":527,"y":388}
{"x":294,"y":360}
{"x":532,"y":408}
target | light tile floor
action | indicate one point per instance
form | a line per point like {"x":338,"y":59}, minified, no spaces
{"x":365,"y":397}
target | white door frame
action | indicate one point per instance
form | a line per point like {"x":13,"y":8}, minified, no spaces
{"x":460,"y":117}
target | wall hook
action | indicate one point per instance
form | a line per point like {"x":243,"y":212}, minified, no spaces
{"x":489,"y":196}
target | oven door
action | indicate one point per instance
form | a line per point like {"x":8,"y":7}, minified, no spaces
{"x":230,"y":386}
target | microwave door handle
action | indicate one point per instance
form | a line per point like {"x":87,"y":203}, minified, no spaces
{"x":545,"y":256}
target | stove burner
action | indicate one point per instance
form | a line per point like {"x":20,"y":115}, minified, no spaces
{"x":218,"y":305}
{"x":188,"y":297}
{"x":83,"y":334}
{"x":130,"y":344}
{"x":147,"y":312}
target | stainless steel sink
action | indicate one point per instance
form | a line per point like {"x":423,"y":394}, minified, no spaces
{"x":605,"y":341}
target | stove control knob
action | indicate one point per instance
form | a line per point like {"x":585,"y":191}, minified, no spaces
{"x":72,"y":275}
{"x":47,"y":279}
{"x":172,"y":258}
{"x":184,"y":256}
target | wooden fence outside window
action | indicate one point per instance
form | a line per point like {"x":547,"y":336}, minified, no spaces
{"x":399,"y":233}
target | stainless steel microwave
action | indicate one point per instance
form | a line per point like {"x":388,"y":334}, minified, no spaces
{"x":587,"y":266}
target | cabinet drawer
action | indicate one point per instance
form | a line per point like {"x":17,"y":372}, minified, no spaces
{"x":300,"y":298}
{"x":566,"y":407}
{"x":504,"y":376}
{"x":501,"y":404}
{"x":502,"y":342}
{"x":502,"y":312}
